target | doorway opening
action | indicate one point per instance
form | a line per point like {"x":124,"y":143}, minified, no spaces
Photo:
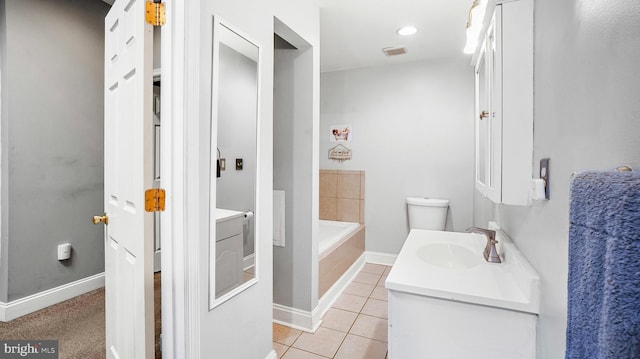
{"x":75,"y":315}
{"x":295,"y":255}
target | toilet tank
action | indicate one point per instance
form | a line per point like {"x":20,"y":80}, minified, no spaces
{"x":427,"y":213}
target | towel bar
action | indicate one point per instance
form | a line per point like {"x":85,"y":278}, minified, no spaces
{"x":624,"y":168}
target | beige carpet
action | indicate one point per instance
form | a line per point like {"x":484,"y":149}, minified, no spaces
{"x":78,"y":325}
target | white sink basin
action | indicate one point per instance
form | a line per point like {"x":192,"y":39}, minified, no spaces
{"x":448,"y":255}
{"x":450,"y":265}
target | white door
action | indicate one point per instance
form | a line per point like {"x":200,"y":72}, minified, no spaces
{"x":128,"y":171}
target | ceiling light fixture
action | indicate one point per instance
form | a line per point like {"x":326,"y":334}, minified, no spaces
{"x":406,"y":30}
{"x":474,"y":23}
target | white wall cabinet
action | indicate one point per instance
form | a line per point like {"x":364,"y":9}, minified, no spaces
{"x":504,"y":104}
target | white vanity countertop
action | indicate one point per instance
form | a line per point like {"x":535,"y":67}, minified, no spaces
{"x":224,"y":214}
{"x":512,"y":284}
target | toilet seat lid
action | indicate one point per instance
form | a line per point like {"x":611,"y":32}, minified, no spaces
{"x":427,"y":202}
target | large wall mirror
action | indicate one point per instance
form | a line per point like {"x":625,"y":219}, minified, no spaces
{"x":232,"y":260}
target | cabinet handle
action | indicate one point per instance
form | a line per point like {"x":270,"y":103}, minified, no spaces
{"x":484,"y":114}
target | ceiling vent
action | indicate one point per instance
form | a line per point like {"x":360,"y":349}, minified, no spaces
{"x":394,"y":51}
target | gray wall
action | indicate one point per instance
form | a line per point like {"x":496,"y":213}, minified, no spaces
{"x":4,"y":240}
{"x":587,"y":116}
{"x":412,"y":135}
{"x":52,"y":145}
{"x":295,"y":280}
{"x":157,"y":39}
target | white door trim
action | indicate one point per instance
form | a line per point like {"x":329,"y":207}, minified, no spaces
{"x":179,"y":166}
{"x":192,"y":186}
{"x":169,"y":142}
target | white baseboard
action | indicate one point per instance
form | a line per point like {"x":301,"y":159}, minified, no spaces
{"x":380,"y":258}
{"x":310,"y":321}
{"x":338,"y":287}
{"x":294,"y":318}
{"x":272,"y":355}
{"x":34,"y":302}
{"x":248,"y":261}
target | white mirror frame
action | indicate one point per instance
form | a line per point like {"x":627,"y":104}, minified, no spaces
{"x":218,"y":23}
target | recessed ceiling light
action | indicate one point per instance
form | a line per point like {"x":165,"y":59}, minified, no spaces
{"x":407,"y":30}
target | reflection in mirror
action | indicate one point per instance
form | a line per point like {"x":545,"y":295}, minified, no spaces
{"x":234,"y":160}
{"x":491,"y":142}
{"x":481,"y":141}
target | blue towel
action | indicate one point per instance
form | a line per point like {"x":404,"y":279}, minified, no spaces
{"x":603,"y":319}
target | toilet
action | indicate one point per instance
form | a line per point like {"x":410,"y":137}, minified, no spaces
{"x":427,"y":213}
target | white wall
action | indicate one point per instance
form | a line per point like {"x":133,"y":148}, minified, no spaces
{"x":412,"y":131}
{"x":586,"y":116}
{"x":295,"y":264}
{"x":241,"y":327}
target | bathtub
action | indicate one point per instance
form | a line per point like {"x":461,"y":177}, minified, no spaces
{"x":332,"y":234}
{"x":340,"y":245}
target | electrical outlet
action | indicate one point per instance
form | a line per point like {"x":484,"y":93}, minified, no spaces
{"x":238,"y":164}
{"x":64,"y":251}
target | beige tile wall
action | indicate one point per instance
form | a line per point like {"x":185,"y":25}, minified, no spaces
{"x":342,"y":195}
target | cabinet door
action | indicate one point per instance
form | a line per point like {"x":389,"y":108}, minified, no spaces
{"x":488,"y":120}
{"x":481,"y":121}
{"x":228,"y":264}
{"x":494,"y":49}
{"x":504,"y":105}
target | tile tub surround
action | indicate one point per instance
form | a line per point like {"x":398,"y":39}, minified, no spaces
{"x":342,"y":195}
{"x":354,"y":328}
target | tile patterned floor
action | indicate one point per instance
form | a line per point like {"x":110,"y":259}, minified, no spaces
{"x":354,"y":328}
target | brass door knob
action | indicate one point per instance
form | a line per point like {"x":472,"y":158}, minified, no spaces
{"x":484,"y":114}
{"x":104,"y":219}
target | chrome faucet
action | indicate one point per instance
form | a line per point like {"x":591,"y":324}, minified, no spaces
{"x":490,"y":253}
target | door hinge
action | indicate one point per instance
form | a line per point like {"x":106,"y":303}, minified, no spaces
{"x":155,"y":13}
{"x":154,"y":200}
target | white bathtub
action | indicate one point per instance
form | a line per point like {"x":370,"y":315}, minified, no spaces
{"x":332,"y":234}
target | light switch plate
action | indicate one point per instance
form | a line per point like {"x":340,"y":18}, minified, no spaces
{"x":544,"y":175}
